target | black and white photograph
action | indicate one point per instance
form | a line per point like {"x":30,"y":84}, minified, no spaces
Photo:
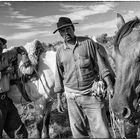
{"x":69,"y":69}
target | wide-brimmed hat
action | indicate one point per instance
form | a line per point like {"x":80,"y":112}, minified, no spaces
{"x":63,"y":22}
{"x":4,"y":41}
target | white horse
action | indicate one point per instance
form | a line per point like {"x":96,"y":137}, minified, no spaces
{"x":39,"y":88}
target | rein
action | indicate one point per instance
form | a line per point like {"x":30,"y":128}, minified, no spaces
{"x":115,"y":124}
{"x":52,"y":99}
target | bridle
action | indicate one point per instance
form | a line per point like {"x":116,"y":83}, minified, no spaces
{"x":114,"y":122}
{"x":135,"y":115}
{"x":134,"y":118}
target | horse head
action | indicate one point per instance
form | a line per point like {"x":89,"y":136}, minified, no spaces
{"x":34,"y":49}
{"x":127,"y":62}
{"x":14,"y":58}
{"x":24,"y":63}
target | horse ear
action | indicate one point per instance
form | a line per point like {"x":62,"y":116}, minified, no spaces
{"x":120,"y":21}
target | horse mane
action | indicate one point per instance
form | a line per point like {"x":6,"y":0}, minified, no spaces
{"x":125,"y":30}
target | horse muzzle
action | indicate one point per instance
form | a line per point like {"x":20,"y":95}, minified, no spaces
{"x":126,"y":112}
{"x":123,"y":112}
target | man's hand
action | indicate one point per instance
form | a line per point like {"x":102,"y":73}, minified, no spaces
{"x":110,"y":90}
{"x":60,"y":106}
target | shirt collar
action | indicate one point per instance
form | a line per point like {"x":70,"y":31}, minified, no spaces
{"x":67,"y":47}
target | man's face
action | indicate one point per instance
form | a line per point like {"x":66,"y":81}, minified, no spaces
{"x":67,"y":33}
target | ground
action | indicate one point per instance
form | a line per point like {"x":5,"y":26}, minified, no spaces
{"x":59,"y":123}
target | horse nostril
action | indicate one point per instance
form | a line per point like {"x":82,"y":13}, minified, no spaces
{"x":126,"y":112}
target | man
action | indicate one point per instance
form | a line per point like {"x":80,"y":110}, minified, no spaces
{"x":78,"y":65}
{"x":10,"y":120}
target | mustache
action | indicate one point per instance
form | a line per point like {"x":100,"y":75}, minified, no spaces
{"x":68,"y":36}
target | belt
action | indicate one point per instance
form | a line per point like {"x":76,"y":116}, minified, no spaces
{"x":73,"y":95}
{"x":3,"y":95}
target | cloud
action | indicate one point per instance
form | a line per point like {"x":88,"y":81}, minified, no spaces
{"x":108,"y":25}
{"x":47,"y":20}
{"x":79,"y":12}
{"x":13,"y":13}
{"x":71,"y":8}
{"x":130,"y":15}
{"x":17,"y":15}
{"x":75,"y":12}
{"x":19,"y":25}
{"x":28,"y":35}
{"x":131,"y":12}
{"x":7,"y":4}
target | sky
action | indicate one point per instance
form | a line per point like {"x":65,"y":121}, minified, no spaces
{"x":24,"y":21}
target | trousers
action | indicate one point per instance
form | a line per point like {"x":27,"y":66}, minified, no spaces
{"x":87,"y":117}
{"x":10,"y":120}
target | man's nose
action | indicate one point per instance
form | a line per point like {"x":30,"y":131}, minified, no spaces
{"x":66,"y":31}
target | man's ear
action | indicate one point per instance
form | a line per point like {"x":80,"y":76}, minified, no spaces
{"x":73,"y":27}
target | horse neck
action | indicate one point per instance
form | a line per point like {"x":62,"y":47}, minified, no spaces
{"x":48,"y":58}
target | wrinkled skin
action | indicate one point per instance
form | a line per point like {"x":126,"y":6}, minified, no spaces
{"x":127,"y":62}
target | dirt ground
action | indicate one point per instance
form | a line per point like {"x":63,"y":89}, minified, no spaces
{"x":59,"y":123}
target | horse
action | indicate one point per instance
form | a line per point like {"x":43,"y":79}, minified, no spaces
{"x":125,"y":102}
{"x":37,"y":86}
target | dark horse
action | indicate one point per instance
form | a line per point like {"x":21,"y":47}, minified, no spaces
{"x":126,"y":53}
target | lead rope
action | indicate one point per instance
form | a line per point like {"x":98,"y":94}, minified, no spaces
{"x":115,"y":123}
{"x":52,"y":99}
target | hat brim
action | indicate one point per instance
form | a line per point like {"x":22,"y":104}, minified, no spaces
{"x":4,"y":41}
{"x":63,"y":27}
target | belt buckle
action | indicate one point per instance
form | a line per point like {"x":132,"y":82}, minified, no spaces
{"x":3,"y":97}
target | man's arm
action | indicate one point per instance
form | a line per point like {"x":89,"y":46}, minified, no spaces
{"x":106,"y":73}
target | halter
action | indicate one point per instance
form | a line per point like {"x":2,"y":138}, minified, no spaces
{"x":124,"y":31}
{"x":115,"y":124}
